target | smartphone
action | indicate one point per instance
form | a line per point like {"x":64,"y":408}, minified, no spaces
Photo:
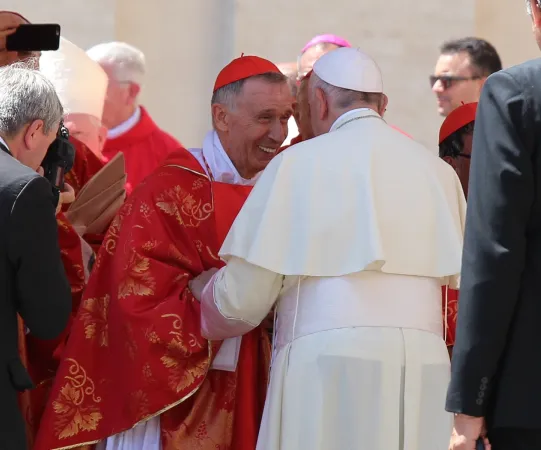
{"x":34,"y":38}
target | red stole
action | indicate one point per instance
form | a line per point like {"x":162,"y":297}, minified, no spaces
{"x":228,"y":201}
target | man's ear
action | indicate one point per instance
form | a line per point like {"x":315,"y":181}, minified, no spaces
{"x":322,"y":104}
{"x":31,"y":132}
{"x":382,"y":107}
{"x":450,"y":160}
{"x":220,"y":117}
{"x":133,"y":90}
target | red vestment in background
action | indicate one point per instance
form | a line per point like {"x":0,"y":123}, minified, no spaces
{"x":135,"y":349}
{"x":145,"y":147}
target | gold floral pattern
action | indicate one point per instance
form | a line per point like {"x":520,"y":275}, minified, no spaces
{"x":145,"y":211}
{"x":184,"y":207}
{"x":176,"y":356}
{"x":71,"y":416}
{"x":138,"y":280}
{"x":94,"y":316}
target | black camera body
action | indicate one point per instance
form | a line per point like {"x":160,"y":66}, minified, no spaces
{"x":59,"y":158}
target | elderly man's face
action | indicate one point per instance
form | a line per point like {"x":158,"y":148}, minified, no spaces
{"x":455,"y":82}
{"x":257,"y":126}
{"x":88,"y":130}
{"x":9,"y":21}
{"x":120,"y":96}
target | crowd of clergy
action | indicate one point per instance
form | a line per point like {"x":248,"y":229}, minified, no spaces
{"x":291,"y":284}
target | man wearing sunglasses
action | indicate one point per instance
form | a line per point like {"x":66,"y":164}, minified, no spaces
{"x":462,"y":68}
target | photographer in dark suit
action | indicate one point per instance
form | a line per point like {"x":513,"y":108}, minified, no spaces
{"x":32,"y":278}
{"x":495,"y":387}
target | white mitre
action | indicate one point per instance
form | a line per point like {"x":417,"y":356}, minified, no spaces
{"x":361,"y":197}
{"x":80,"y":82}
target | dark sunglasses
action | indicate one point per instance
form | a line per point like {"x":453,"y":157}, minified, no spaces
{"x":448,"y":80}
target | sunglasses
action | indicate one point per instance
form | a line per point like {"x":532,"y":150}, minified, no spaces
{"x":449,"y":80}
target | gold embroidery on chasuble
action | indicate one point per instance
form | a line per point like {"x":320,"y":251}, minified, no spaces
{"x":180,"y":204}
{"x":182,"y":372}
{"x":76,"y":406}
{"x":94,"y":316}
{"x":138,"y":280}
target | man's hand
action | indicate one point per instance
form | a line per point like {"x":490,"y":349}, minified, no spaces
{"x":466,"y":431}
{"x":199,"y":282}
{"x":67,"y":196}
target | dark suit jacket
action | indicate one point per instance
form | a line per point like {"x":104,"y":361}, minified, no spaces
{"x":496,"y":366}
{"x":32,"y":282}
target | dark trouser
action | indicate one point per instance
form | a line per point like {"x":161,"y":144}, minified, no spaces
{"x":515,"y":439}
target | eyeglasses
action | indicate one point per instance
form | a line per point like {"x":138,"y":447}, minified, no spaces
{"x":465,"y":155}
{"x":448,"y":80}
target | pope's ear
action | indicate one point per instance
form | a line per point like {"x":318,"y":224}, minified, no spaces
{"x":220,"y":117}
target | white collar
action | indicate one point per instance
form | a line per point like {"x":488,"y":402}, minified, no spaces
{"x":126,"y":126}
{"x":222,"y":168}
{"x":352,"y":115}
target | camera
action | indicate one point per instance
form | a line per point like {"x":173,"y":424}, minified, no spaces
{"x":59,"y":158}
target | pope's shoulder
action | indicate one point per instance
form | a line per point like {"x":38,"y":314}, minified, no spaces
{"x":378,"y":139}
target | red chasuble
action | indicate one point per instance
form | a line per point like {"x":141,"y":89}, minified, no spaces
{"x":135,"y":350}
{"x":449,"y":298}
{"x":145,"y":147}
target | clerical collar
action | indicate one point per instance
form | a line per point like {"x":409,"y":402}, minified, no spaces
{"x":4,"y":146}
{"x":219,"y":163}
{"x":352,"y":115}
{"x":126,"y":126}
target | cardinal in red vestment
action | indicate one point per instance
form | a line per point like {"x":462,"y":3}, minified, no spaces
{"x":136,"y":372}
{"x":131,"y":129}
{"x":455,"y":146}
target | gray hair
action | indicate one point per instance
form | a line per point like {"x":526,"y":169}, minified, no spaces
{"x":127,"y":62}
{"x":26,"y":95}
{"x":227,"y":94}
{"x":529,"y":6}
{"x":344,"y":98}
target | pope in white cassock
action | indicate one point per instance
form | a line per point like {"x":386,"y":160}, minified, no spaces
{"x":351,"y":234}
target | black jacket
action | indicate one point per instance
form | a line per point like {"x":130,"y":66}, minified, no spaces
{"x":496,"y":366}
{"x":32,"y":282}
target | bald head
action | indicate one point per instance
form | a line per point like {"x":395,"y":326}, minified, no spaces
{"x":309,"y":57}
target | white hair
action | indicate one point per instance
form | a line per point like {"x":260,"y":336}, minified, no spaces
{"x":529,"y":6}
{"x":26,"y":95}
{"x":126,"y":61}
{"x":344,"y":98}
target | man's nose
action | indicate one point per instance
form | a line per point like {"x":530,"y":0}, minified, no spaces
{"x":278,"y":131}
{"x":438,"y":87}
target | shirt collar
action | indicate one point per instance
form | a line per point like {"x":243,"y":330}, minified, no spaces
{"x":352,"y":115}
{"x":221,"y":166}
{"x":126,"y":126}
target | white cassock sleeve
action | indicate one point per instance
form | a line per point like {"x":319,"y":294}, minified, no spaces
{"x":237,"y":299}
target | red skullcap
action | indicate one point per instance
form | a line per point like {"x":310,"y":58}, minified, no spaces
{"x":242,"y":68}
{"x":460,"y":117}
